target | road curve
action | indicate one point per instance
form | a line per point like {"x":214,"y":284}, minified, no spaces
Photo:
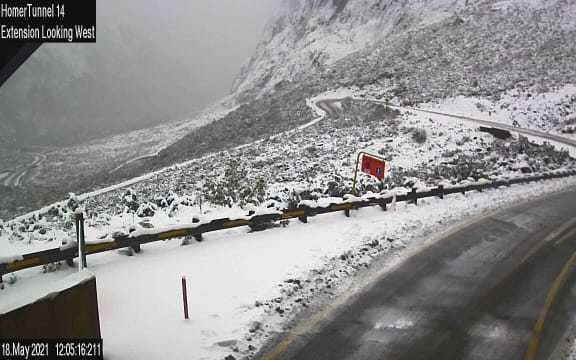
{"x":328,"y":106}
{"x":498,"y":288}
{"x":526,"y":131}
{"x":14,"y":178}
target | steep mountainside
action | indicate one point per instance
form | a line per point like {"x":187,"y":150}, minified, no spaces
{"x":309,"y":35}
{"x":308,"y":38}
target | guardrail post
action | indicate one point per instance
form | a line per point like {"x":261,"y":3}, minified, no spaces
{"x":383,"y":206}
{"x":79,"y":218}
{"x":137,"y":248}
{"x":303,"y":219}
{"x":347,"y":212}
{"x":414,"y":196}
{"x":198,"y":237}
{"x":441,"y":192}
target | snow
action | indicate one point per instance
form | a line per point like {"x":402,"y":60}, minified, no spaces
{"x":306,"y":36}
{"x":335,"y":147}
{"x":236,"y":278}
{"x":506,"y":4}
{"x":545,"y":111}
{"x":42,"y":290}
{"x":10,"y":259}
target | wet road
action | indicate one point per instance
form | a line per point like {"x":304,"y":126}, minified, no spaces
{"x":496,"y":289}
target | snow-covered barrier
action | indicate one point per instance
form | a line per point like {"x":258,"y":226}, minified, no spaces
{"x":66,"y":309}
{"x":305,"y":209}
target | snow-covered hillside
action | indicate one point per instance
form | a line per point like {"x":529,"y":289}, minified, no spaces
{"x":113,"y":153}
{"x":308,"y":163}
{"x":235,"y":305}
{"x":309,"y":35}
{"x":436,"y":50}
{"x":308,"y":40}
{"x":90,"y":165}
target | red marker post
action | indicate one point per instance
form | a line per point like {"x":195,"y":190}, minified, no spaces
{"x":185,"y":297}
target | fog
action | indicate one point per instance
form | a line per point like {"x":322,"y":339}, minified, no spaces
{"x":206,"y":41}
{"x":153,"y":61}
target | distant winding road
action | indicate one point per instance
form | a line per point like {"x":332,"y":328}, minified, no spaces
{"x":14,"y":179}
{"x":329,"y":107}
{"x":526,"y":131}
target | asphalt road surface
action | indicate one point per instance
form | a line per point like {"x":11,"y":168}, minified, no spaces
{"x":498,"y":288}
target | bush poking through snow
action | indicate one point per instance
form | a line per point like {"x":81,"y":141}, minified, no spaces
{"x":234,"y":187}
{"x":130,"y":200}
{"x":419,"y":136}
{"x":146,"y":210}
{"x":52,"y":267}
{"x":263,"y":225}
{"x":73,"y":202}
{"x":12,"y":279}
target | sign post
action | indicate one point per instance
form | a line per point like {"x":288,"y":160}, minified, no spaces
{"x":371,"y":164}
{"x":79,"y":219}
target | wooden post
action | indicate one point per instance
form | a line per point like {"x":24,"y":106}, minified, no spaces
{"x":185,"y":297}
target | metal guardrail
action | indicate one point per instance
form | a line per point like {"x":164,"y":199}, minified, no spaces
{"x":302,"y":213}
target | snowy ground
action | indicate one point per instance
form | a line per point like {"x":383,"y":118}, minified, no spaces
{"x":240,"y":281}
{"x":553,"y":111}
{"x":243,"y":286}
{"x":114,"y":152}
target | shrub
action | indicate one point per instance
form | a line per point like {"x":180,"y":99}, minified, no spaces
{"x":419,"y":135}
{"x":234,"y":187}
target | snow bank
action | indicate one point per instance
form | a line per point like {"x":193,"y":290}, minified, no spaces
{"x":44,"y":290}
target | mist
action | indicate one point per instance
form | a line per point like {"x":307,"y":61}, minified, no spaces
{"x":204,"y":42}
{"x":153,"y":61}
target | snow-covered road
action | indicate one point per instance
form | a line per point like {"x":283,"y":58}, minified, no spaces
{"x":328,"y":105}
{"x":14,"y":179}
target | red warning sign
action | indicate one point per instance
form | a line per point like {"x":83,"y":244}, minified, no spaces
{"x":373,"y":166}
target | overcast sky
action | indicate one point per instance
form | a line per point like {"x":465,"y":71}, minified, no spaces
{"x":211,"y":38}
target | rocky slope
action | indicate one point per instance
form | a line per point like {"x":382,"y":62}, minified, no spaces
{"x":355,"y":42}
{"x":308,"y":36}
